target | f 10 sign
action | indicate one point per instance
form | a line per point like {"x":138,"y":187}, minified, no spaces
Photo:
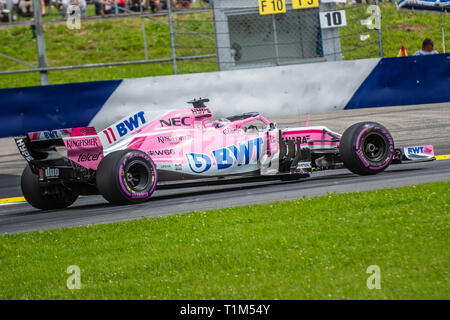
{"x":332,"y":19}
{"x":272,"y":6}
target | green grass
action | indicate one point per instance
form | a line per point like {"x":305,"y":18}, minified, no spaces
{"x":317,"y":248}
{"x":398,"y":28}
{"x":121,"y":40}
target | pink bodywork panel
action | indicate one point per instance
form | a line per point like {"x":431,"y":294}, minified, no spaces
{"x":311,"y":136}
{"x":183,"y":131}
{"x":418,"y":152}
{"x":87,"y":151}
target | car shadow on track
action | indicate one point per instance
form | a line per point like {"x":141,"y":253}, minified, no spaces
{"x":315,"y":181}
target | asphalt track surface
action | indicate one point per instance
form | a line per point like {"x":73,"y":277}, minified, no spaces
{"x":409,"y":125}
{"x":18,"y":218}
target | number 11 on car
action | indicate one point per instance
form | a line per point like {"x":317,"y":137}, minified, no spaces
{"x":272,"y":6}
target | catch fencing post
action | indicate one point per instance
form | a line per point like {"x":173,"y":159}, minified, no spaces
{"x":172,"y":38}
{"x":380,"y":39}
{"x":143,"y":32}
{"x":9,"y":6}
{"x":40,"y":42}
{"x":443,"y":32}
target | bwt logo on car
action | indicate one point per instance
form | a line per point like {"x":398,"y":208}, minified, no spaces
{"x":49,"y":135}
{"x":226,"y":157}
{"x":126,"y":126}
{"x":415,"y":150}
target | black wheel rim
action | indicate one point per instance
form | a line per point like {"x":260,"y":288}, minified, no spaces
{"x":137,"y":176}
{"x":375,"y":147}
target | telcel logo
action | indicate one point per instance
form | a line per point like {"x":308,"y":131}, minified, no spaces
{"x":83,"y":157}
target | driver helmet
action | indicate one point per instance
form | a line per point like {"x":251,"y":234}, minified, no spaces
{"x":220,"y":123}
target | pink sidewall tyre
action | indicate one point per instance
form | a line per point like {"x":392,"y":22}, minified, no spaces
{"x":367,"y":148}
{"x":126,"y":177}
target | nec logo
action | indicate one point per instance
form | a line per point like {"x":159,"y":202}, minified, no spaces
{"x":126,"y":126}
{"x":415,"y":150}
{"x":177,"y":122}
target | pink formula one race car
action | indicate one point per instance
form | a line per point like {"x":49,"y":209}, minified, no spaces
{"x":126,"y":161}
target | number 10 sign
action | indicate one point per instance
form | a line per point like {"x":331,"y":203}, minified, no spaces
{"x":332,"y":19}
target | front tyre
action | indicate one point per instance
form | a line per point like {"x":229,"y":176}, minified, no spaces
{"x":366,"y":148}
{"x":53,"y":196}
{"x":126,"y":177}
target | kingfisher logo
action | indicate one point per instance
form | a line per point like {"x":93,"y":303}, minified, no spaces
{"x":227,"y":157}
{"x":124,"y":127}
{"x":79,"y":143}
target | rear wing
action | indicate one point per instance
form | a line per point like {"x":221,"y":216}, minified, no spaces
{"x":60,"y":134}
{"x":82,"y":144}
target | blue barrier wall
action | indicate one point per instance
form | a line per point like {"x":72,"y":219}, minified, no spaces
{"x":284,"y":90}
{"x":405,"y":81}
{"x":50,"y":107}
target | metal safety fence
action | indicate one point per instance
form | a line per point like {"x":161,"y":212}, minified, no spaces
{"x":150,"y":37}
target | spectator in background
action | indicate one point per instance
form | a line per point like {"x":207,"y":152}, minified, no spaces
{"x":26,"y":8}
{"x":135,"y":5}
{"x":121,"y":4}
{"x":184,"y":4}
{"x":3,"y":11}
{"x":152,"y":6}
{"x":162,"y":4}
{"x":427,"y":48}
{"x":103,"y":7}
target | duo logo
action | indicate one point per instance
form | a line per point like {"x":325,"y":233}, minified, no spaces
{"x":226,"y":157}
{"x":125,"y":126}
{"x":198,"y":162}
{"x":415,"y":150}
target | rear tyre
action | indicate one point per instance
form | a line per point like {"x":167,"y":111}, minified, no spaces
{"x":126,"y":177}
{"x":51,"y":197}
{"x":366,"y":148}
